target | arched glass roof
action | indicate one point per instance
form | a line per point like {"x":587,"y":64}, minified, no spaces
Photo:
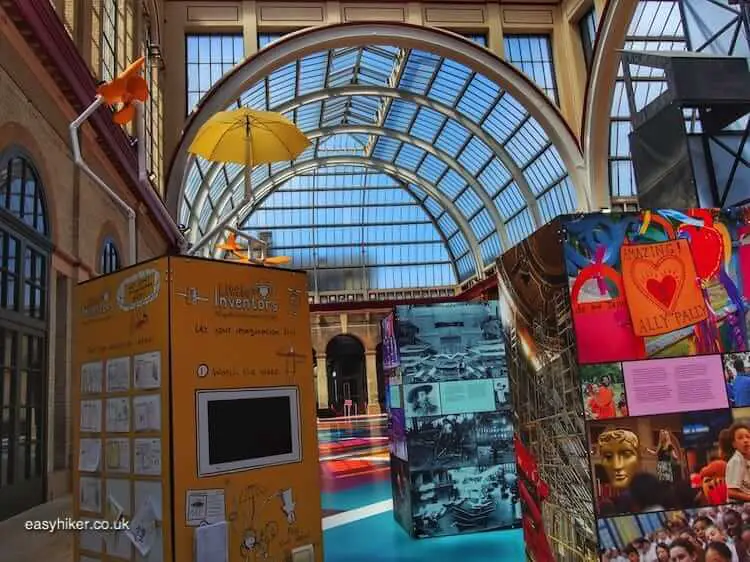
{"x":411,"y":138}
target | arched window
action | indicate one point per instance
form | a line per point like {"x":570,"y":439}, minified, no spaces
{"x":24,"y":281}
{"x":110,"y":257}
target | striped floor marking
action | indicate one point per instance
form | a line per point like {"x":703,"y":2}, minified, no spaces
{"x":333,"y":521}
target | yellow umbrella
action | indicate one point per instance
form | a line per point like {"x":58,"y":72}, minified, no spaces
{"x":247,"y":137}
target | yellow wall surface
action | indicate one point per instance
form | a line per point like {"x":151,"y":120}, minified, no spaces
{"x":123,"y":315}
{"x":238,"y":327}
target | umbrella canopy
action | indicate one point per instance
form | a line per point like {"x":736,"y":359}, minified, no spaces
{"x":248,"y":137}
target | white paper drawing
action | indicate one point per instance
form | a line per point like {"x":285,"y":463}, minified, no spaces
{"x":91,"y":416}
{"x":89,"y":539}
{"x":143,"y":527}
{"x":148,"y":457}
{"x":204,"y":507}
{"x":118,"y":455}
{"x":90,"y":494}
{"x":118,"y":415}
{"x":288,"y":505}
{"x":118,"y":374}
{"x":91,"y":377}
{"x":89,"y":455}
{"x":148,"y":370}
{"x":147,"y":412}
{"x":114,"y":511}
{"x":211,"y":543}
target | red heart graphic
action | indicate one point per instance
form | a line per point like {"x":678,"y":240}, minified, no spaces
{"x":706,"y":247}
{"x":663,"y":290}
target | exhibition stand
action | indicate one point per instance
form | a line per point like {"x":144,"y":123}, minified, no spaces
{"x":194,"y":414}
{"x":629,"y":363}
{"x":453,"y":467}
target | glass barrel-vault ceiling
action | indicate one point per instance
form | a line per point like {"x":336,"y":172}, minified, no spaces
{"x":474,"y":166}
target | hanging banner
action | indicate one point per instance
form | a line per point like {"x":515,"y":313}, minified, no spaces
{"x":661,"y":286}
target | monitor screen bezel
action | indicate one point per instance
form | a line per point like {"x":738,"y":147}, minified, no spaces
{"x":204,"y":397}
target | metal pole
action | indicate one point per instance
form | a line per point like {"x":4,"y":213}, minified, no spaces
{"x":218,"y":228}
{"x":78,"y":161}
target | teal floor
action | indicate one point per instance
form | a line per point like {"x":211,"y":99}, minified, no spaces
{"x":359,"y":479}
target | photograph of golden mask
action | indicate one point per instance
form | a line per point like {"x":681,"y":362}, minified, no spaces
{"x":620,"y":457}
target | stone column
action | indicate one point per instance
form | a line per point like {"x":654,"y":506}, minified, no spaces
{"x":373,"y":402}
{"x":322,"y":372}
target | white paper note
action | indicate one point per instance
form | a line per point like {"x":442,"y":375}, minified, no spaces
{"x":91,"y":378}
{"x":211,"y":543}
{"x":89,"y":455}
{"x":143,"y":527}
{"x":148,"y":370}
{"x":118,"y":415}
{"x":148,"y":457}
{"x":204,"y":507}
{"x":91,"y":416}
{"x":114,"y":510}
{"x":147,"y":412}
{"x":118,"y":374}
{"x":118,"y":455}
{"x":90,"y":494}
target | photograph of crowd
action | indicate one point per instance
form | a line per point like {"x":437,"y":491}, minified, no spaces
{"x":449,"y":342}
{"x":470,"y":499}
{"x":657,"y":463}
{"x":603,"y":389}
{"x":708,"y":534}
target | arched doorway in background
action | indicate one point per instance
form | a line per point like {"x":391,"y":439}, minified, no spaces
{"x":346,"y":370}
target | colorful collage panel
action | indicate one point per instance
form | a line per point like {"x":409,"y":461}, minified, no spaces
{"x":658,"y":283}
{"x":655,"y":386}
{"x":674,"y":485}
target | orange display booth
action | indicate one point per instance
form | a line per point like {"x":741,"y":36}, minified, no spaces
{"x":194,"y":415}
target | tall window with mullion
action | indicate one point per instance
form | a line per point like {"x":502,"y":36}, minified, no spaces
{"x":152,"y":114}
{"x":532,"y":55}
{"x":587,"y":31}
{"x":208,"y":58}
{"x":109,"y":15}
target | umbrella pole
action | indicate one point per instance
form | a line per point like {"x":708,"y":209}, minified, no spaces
{"x":222,"y":225}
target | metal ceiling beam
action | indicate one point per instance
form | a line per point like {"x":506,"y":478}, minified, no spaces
{"x":315,"y":40}
{"x":272,"y":183}
{"x":445,"y":110}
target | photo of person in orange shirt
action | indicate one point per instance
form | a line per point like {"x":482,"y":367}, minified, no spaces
{"x":603,"y":389}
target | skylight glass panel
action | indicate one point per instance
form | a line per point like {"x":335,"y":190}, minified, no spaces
{"x":490,"y":249}
{"x":469,"y":203}
{"x":509,"y":201}
{"x":427,"y":124}
{"x":494,"y":177}
{"x":475,"y":155}
{"x":449,"y":82}
{"x":409,"y":157}
{"x":520,"y":226}
{"x":452,"y":138}
{"x":432,"y":168}
{"x":557,"y":201}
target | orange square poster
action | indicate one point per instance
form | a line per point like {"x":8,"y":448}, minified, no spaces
{"x":661,"y":287}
